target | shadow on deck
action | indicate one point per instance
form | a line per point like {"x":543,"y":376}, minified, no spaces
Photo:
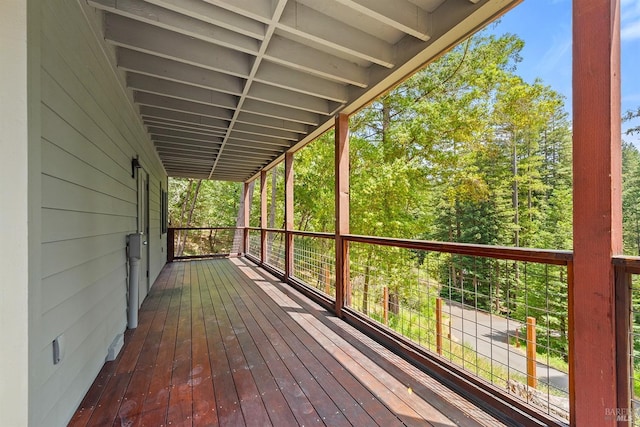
{"x":222,"y":342}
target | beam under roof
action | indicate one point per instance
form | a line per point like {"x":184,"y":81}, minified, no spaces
{"x":259,"y":78}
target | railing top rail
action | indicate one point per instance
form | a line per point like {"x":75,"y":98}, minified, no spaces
{"x":322,"y":235}
{"x":628,"y":262}
{"x":545,"y":256}
{"x":205,"y":228}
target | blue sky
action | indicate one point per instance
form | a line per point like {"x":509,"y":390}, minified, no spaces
{"x":545,"y":26}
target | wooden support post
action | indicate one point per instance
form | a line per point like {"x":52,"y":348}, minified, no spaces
{"x":439,"y":325}
{"x":327,"y":280}
{"x":288,"y":215}
{"x":532,"y":377}
{"x":171,"y":235}
{"x":385,"y":305}
{"x":624,"y":339}
{"x":263,"y":217}
{"x":343,"y":290}
{"x":245,"y":218}
{"x":597,"y":212}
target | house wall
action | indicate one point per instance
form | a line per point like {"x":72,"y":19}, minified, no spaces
{"x":14,"y":213}
{"x":88,"y":204}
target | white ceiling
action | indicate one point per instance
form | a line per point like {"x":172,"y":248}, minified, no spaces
{"x":225,"y":87}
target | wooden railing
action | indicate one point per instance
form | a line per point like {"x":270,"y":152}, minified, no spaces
{"x":311,"y":265}
{"x":203,"y":242}
{"x":627,"y":303}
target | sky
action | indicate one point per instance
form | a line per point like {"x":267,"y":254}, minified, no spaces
{"x":545,"y":26}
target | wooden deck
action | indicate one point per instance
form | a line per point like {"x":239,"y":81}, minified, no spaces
{"x":221,"y":342}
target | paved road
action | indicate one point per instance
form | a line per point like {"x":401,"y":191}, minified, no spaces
{"x":489,"y":334}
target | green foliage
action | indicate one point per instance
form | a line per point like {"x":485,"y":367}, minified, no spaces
{"x":216,"y":203}
{"x":629,"y":116}
{"x":464,"y":151}
{"x":631,"y":198}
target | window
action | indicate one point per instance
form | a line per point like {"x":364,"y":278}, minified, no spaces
{"x":164,"y":205}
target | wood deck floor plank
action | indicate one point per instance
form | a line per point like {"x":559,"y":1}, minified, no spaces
{"x":300,"y":405}
{"x":359,"y":399}
{"x":91,"y":399}
{"x":130,"y":411}
{"x":180,"y":410}
{"x":251,"y":404}
{"x":156,"y":403}
{"x":305,"y":376}
{"x":107,"y":409}
{"x":397,"y":405}
{"x":221,"y":342}
{"x":204,"y":401}
{"x":227,"y":400}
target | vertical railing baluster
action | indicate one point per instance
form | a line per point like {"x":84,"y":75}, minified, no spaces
{"x":624,"y":344}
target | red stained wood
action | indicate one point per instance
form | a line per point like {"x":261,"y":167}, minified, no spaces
{"x":263,"y":216}
{"x":597,"y":210}
{"x":288,"y":215}
{"x":342,"y":210}
{"x":222,"y":349}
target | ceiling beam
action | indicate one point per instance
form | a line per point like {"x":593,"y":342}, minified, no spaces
{"x":313,"y":61}
{"x":268,"y":73}
{"x":289,"y":98}
{"x":246,"y":119}
{"x":280,"y":112}
{"x":288,"y":78}
{"x":142,"y":83}
{"x":399,"y":14}
{"x":306,"y":23}
{"x":260,"y":10}
{"x":170,"y":124}
{"x":170,"y":20}
{"x":214,"y":15}
{"x":236,"y":136}
{"x":147,"y":38}
{"x":186,"y":142}
{"x":158,"y":101}
{"x":196,"y":136}
{"x":263,"y":131}
{"x":161,"y":129}
{"x":273,"y":123}
{"x":180,"y":117}
{"x":151,"y":65}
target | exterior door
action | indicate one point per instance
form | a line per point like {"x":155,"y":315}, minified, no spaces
{"x":143,"y":228}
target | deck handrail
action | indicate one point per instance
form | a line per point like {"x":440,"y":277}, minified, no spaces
{"x":546,"y":256}
{"x":328,"y":288}
{"x":171,"y":233}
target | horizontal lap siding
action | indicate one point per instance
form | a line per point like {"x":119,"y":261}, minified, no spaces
{"x":89,"y":135}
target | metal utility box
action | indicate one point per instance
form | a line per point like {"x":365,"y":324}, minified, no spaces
{"x":134,"y":242}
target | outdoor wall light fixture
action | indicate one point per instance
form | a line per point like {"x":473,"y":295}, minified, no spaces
{"x":135,"y":164}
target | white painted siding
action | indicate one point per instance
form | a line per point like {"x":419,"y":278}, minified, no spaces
{"x":14,"y":214}
{"x":88,"y":206}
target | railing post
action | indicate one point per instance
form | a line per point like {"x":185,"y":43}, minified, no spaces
{"x":263,"y":217}
{"x":385,"y":305}
{"x":327,"y":280}
{"x":532,"y":377}
{"x":170,"y":244}
{"x":245,"y":218}
{"x":597,"y":211}
{"x":342,"y":211}
{"x":439,"y":325}
{"x":624,"y":342}
{"x":288,"y":215}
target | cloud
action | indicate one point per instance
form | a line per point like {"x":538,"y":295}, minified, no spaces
{"x":558,"y":54}
{"x":630,"y":20}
